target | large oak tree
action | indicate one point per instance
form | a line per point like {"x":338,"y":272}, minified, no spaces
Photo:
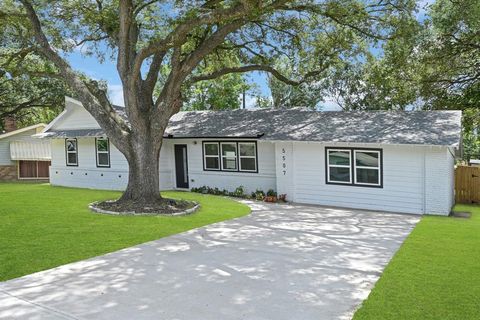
{"x":149,"y":36}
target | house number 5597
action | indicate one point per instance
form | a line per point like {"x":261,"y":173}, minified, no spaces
{"x":284,"y":164}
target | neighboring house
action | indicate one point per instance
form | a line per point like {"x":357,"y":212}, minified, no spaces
{"x":388,"y":161}
{"x":474,"y":162}
{"x":21,"y":155}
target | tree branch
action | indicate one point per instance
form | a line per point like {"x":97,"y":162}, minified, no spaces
{"x":257,"y":67}
{"x":104,"y":113}
{"x":178,"y":36}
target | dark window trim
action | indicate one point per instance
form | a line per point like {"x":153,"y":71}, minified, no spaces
{"x":108,"y":153}
{"x":218,"y":142}
{"x":76,"y":153}
{"x":353,"y":167}
{"x":218,"y":156}
{"x":186,"y":163}
{"x":247,"y":157}
{"x":236,"y":156}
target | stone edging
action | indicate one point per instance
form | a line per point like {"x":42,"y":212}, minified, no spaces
{"x":92,"y":206}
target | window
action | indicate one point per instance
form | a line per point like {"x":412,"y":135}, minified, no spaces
{"x":71,"y":149}
{"x":240,"y":156}
{"x":351,"y":166}
{"x":103,"y":152}
{"x":248,"y":156}
{"x":211,"y":158}
{"x":339,"y":166}
{"x":367,"y":167}
{"x":33,"y":169}
{"x":229,"y":156}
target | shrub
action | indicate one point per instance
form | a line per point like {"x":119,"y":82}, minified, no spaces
{"x":239,"y":192}
{"x":259,"y":195}
{"x":271,"y":193}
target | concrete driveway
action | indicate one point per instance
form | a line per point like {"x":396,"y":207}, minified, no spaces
{"x":281,"y":262}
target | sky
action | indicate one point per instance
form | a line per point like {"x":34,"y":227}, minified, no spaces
{"x":107,"y":71}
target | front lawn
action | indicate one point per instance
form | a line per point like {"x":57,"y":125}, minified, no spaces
{"x":43,"y":226}
{"x":434,"y":275}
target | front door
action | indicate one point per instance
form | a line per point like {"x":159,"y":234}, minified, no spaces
{"x":181,"y":165}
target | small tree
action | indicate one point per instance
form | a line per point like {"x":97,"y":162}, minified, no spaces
{"x":146,"y":36}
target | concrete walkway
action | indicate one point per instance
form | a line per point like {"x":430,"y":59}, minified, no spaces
{"x":280,"y":262}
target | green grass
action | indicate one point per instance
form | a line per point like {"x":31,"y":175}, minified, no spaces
{"x":434,"y":275}
{"x":43,"y":226}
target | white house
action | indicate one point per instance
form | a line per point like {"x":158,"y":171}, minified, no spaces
{"x":389,"y":161}
{"x":21,"y":156}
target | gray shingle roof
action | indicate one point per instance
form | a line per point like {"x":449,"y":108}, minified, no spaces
{"x":388,"y":127}
{"x":74,"y":133}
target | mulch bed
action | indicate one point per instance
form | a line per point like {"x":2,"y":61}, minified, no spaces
{"x":163,"y":206}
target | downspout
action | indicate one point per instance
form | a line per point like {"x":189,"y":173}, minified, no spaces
{"x":424,"y":181}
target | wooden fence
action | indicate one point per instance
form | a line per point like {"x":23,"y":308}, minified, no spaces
{"x":467,"y":184}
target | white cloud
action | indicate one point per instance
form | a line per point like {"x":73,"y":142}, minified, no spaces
{"x":115,"y":93}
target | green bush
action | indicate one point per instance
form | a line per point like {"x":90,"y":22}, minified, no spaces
{"x":271,"y":193}
{"x":239,"y":192}
{"x":259,"y":195}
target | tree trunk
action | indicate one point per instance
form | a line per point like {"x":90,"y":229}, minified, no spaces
{"x":143,"y":178}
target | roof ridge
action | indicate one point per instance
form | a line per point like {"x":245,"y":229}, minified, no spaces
{"x":15,"y":132}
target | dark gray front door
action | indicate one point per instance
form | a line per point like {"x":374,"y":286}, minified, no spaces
{"x":181,"y":165}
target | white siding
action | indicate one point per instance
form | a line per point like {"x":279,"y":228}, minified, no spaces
{"x":284,"y":163}
{"x":87,"y":175}
{"x":451,"y":177}
{"x":439,"y":180}
{"x":403,"y":180}
{"x":264,"y":179}
{"x":5,"y":145}
{"x":416,"y":179}
{"x":76,"y":117}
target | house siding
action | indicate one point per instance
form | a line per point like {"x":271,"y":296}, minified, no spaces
{"x":416,"y":179}
{"x":403,"y":183}
{"x":5,"y":146}
{"x":439,"y":181}
{"x":88,"y":175}
{"x":75,"y":117}
{"x":264,"y":179}
{"x":285,"y":173}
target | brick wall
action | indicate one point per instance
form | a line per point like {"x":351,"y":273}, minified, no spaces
{"x":8,"y":173}
{"x":9,"y":124}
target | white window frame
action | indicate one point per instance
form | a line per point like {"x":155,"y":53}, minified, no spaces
{"x":205,"y":156}
{"x":222,"y":156}
{"x":349,"y":166}
{"x":67,"y":152}
{"x":378,"y":168}
{"x":102,"y":152}
{"x":240,"y":157}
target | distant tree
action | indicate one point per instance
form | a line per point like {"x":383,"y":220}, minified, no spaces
{"x":430,"y":65}
{"x":219,"y":93}
{"x":345,"y":69}
{"x":449,"y":51}
{"x":29,"y":90}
